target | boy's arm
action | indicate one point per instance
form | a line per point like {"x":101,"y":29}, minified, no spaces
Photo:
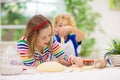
{"x":79,"y":34}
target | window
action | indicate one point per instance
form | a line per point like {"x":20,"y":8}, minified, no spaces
{"x":15,"y":13}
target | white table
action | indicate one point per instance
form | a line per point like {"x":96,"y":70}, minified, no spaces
{"x":108,"y":73}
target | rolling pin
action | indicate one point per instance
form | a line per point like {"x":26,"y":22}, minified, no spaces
{"x":100,"y":63}
{"x":88,"y":62}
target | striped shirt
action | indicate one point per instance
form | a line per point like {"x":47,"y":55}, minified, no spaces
{"x":39,"y":58}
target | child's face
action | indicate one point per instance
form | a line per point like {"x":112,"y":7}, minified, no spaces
{"x":44,"y":36}
{"x":62,"y":23}
{"x":62,"y":27}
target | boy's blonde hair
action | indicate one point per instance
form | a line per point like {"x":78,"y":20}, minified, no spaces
{"x":68,"y":17}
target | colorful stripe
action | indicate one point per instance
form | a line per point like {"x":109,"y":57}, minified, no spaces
{"x":38,"y":58}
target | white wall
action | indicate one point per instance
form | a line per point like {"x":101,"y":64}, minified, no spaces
{"x":109,"y":22}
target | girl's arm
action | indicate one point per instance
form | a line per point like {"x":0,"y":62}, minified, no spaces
{"x":23,"y":52}
{"x":68,"y":60}
{"x":62,"y":57}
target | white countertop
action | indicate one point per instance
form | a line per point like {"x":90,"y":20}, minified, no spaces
{"x":108,"y":73}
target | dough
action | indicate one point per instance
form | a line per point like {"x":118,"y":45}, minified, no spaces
{"x":50,"y":67}
{"x":72,"y":68}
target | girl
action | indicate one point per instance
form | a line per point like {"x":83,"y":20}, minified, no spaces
{"x":65,"y":28}
{"x":38,"y":46}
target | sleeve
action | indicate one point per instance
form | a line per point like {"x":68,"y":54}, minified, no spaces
{"x":23,"y":52}
{"x":57,"y":51}
{"x":73,"y":38}
{"x":56,"y":48}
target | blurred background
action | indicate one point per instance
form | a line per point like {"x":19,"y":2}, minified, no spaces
{"x":98,"y":19}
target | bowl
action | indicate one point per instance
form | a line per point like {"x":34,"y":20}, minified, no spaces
{"x":10,"y":69}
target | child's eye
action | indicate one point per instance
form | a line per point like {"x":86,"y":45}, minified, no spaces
{"x":46,"y":36}
{"x":43,"y":37}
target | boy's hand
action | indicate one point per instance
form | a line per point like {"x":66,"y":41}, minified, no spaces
{"x":63,"y":31}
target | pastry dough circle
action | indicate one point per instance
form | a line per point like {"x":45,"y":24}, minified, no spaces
{"x":50,"y":67}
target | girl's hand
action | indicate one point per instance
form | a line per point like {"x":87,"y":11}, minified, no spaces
{"x":78,"y":61}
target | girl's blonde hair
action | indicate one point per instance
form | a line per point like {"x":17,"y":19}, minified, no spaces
{"x":31,"y":33}
{"x":67,"y":17}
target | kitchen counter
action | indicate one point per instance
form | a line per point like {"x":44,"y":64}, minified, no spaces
{"x":108,"y":73}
